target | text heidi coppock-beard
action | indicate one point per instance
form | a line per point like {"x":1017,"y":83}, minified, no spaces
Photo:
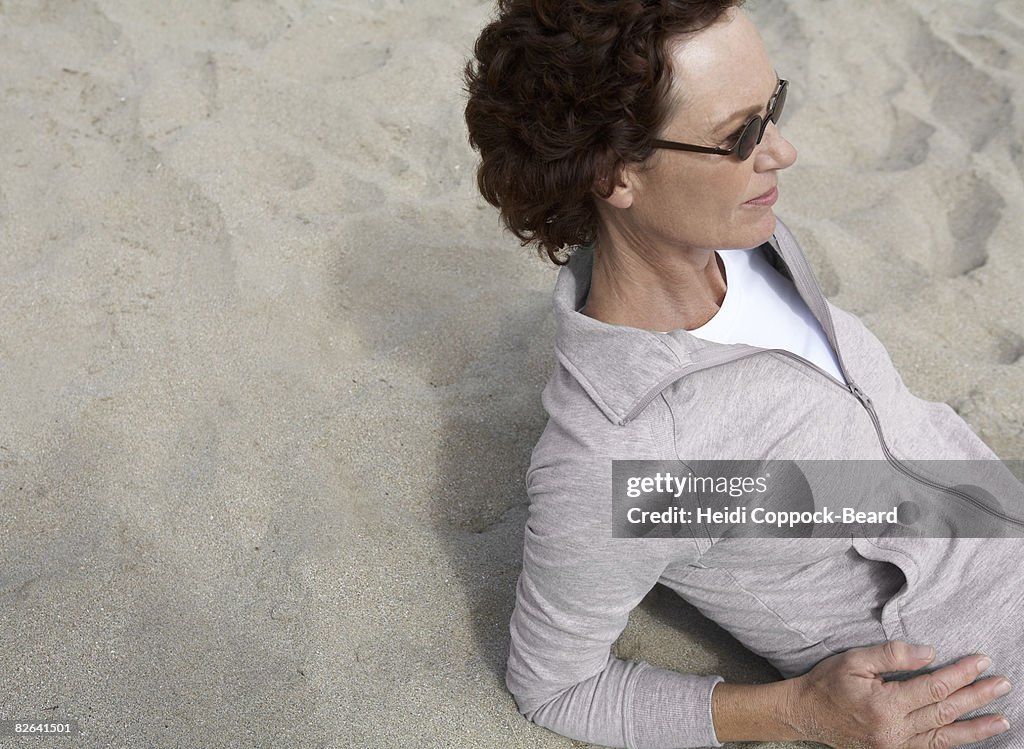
{"x":790,"y":498}
{"x":759,"y":516}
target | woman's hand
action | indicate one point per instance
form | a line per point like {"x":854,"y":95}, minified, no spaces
{"x":843,"y":701}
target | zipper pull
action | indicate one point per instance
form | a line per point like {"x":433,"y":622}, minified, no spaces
{"x":860,"y":395}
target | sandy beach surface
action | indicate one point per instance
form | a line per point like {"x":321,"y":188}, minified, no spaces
{"x":271,"y":369}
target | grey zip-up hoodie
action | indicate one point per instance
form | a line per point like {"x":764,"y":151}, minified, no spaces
{"x":620,"y":393}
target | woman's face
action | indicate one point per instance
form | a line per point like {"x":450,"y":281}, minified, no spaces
{"x":679,"y":199}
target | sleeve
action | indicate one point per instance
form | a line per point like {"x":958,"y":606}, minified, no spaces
{"x":573,"y":600}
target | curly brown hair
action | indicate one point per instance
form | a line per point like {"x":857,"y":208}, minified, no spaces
{"x":562,"y":93}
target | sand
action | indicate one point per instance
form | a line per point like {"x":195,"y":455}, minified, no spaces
{"x":271,"y":369}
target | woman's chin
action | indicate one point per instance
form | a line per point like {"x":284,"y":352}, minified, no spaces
{"x":760,"y":232}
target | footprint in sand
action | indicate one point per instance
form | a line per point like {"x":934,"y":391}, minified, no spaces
{"x":1007,"y":346}
{"x":977,"y":211}
{"x":908,"y":145}
{"x":965,"y":99}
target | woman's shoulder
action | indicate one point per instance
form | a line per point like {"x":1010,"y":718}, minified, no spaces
{"x":579,"y":431}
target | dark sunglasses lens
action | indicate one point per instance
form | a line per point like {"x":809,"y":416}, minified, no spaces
{"x":754,"y":131}
{"x":748,"y":139}
{"x":780,"y":101}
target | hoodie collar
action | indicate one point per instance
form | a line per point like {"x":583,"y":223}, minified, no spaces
{"x":622,"y":368}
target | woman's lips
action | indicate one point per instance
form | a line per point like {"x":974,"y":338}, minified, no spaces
{"x":768,"y":198}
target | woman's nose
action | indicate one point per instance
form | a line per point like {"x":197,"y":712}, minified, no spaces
{"x":774,"y":151}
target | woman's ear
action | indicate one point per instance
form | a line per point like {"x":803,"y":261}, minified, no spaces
{"x":621,"y":193}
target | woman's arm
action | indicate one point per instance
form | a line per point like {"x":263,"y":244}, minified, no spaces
{"x":571,"y":605}
{"x":573,"y":599}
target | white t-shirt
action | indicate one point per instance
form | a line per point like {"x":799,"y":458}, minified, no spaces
{"x":762,"y":308}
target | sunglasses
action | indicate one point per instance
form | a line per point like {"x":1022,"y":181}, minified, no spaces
{"x":749,"y":138}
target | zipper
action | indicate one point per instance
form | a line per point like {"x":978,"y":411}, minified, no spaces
{"x":895,"y":462}
{"x":804,"y":277}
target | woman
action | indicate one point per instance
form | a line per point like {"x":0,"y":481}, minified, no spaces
{"x":644,"y":134}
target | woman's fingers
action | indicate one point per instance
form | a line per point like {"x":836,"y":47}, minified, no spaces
{"x":965,"y":700}
{"x":890,"y":656}
{"x":959,"y":734}
{"x":939,"y":685}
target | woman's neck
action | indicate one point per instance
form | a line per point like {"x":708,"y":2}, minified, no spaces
{"x":663,"y":291}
